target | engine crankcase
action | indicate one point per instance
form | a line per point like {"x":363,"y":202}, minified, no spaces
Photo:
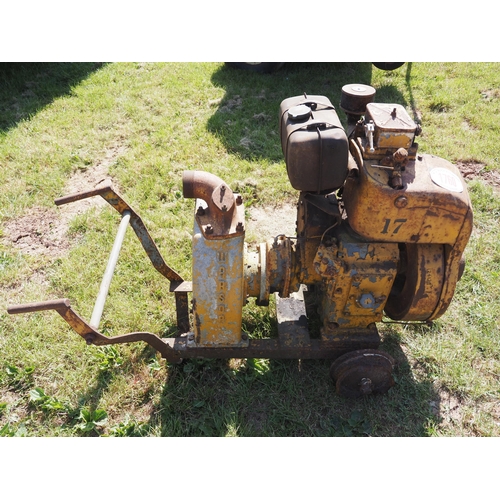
{"x":357,"y":278}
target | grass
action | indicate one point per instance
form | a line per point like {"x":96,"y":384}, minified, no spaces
{"x":143,"y":124}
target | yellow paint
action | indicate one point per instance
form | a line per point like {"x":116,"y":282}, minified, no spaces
{"x":218,"y":290}
{"x":358,"y":283}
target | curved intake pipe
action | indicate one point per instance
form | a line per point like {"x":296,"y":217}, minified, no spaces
{"x":219,"y":218}
{"x":210,"y":188}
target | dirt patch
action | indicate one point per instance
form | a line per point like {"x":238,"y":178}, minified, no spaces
{"x":43,"y":231}
{"x":266,"y":222}
{"x":39,"y":232}
{"x":491,"y":94}
{"x":448,"y":407}
{"x":473,"y":170}
{"x":16,"y":411}
{"x":89,"y":179}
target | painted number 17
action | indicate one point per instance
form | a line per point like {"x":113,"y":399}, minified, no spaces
{"x":393,"y":226}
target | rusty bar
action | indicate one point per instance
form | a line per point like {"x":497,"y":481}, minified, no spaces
{"x":152,"y":250}
{"x":353,"y":339}
{"x":60,"y":304}
{"x":63,"y":307}
{"x":108,"y":193}
{"x":176,"y":349}
{"x":110,"y":269}
{"x":63,"y":200}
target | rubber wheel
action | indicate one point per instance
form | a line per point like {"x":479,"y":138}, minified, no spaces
{"x":363,"y":372}
{"x":258,"y":67}
{"x":388,"y":66}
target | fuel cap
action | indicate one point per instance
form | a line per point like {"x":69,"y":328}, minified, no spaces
{"x":299,"y":113}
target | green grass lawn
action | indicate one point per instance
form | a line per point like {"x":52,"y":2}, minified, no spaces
{"x":68,"y":126}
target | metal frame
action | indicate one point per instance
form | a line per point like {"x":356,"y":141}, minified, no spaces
{"x":293,"y":340}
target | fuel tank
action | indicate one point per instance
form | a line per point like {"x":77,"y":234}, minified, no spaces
{"x":314,"y":144}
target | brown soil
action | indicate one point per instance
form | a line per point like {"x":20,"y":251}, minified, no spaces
{"x":472,"y":170}
{"x":43,"y":231}
{"x":267,"y":222}
{"x":40,"y":232}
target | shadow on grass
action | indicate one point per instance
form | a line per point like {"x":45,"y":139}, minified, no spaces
{"x":247,"y":118}
{"x":26,"y":88}
{"x":289,"y":398}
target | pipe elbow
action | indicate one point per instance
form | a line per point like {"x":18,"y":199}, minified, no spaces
{"x":208,"y":187}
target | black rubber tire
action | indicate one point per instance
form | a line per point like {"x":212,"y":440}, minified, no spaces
{"x":260,"y":67}
{"x":388,"y":66}
{"x":350,"y":370}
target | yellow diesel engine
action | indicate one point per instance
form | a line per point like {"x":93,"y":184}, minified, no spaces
{"x":381,"y":230}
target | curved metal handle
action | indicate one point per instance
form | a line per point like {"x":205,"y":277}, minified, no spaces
{"x":57,"y":305}
{"x":91,"y":335}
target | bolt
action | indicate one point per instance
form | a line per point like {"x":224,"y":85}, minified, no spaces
{"x":239,"y":199}
{"x":365,"y":386}
{"x":401,"y":202}
{"x":244,"y":336}
{"x":224,"y":208}
{"x":200,"y":211}
{"x":209,"y":229}
{"x":239,"y":227}
{"x":89,"y":339}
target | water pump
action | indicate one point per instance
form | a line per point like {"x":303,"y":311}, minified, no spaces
{"x":381,"y":232}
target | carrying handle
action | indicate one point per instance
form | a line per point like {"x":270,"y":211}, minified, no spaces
{"x":58,"y":305}
{"x":91,"y":335}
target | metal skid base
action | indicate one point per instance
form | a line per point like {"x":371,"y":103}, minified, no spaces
{"x":293,"y":340}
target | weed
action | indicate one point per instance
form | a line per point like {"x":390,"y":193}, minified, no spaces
{"x":154,"y":365}
{"x":46,"y":403}
{"x":259,"y":366}
{"x":19,"y":378}
{"x":9,"y":430}
{"x":354,"y":426}
{"x":108,"y":357}
{"x":89,"y":421}
{"x":129,"y":428}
